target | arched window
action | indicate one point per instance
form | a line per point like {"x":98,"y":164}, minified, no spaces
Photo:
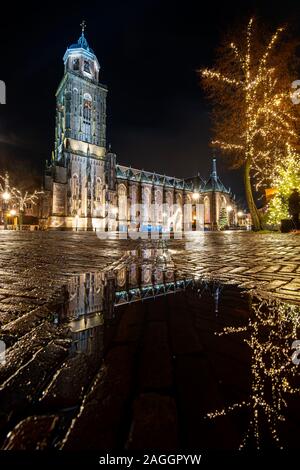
{"x":75,"y":187}
{"x":121,"y":277}
{"x":206,"y":210}
{"x":122,"y":202}
{"x":188,"y":212}
{"x":87,"y":107}
{"x":146,"y":204}
{"x":75,"y":96}
{"x":158,"y":200}
{"x":87,"y":115}
{"x":98,"y":189}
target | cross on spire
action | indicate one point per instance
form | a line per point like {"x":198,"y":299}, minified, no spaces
{"x":83,"y":26}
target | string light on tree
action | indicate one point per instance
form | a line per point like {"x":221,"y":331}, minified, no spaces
{"x":286,"y":178}
{"x":24,"y":199}
{"x":254,"y":117}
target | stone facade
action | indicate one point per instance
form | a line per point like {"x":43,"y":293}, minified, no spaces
{"x":83,"y":183}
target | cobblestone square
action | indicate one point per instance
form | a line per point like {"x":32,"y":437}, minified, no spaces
{"x":89,"y":365}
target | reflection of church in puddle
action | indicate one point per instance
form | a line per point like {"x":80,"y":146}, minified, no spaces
{"x":84,"y":180}
{"x":93,"y":297}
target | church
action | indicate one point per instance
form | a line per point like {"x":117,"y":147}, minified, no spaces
{"x":85,"y":188}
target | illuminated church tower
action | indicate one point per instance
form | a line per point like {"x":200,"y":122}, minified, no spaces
{"x":77,"y":171}
{"x":85,"y":188}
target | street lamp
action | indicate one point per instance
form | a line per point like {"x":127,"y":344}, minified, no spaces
{"x":5,"y":198}
{"x":196,"y":195}
{"x":12,"y":213}
{"x":229,"y":209}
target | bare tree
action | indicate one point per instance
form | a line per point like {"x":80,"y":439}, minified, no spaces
{"x":24,"y":198}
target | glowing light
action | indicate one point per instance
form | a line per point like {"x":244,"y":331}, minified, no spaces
{"x":12,"y":213}
{"x":196,"y":196}
{"x":261,"y":116}
{"x":25,"y":198}
{"x":269,"y":333}
{"x":240,"y":213}
{"x":6,"y":196}
{"x":229,"y":208}
{"x":286,"y":178}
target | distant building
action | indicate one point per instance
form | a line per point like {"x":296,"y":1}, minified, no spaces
{"x":84,"y":179}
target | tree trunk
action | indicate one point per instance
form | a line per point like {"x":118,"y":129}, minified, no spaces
{"x":21,"y":219}
{"x":256,"y":222}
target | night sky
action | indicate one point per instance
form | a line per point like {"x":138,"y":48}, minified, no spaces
{"x":149,"y":51}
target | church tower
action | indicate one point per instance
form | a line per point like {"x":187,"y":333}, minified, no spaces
{"x":79,"y":159}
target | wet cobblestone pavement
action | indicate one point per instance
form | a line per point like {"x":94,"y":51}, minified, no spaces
{"x":112,"y":344}
{"x":34,"y":266}
{"x":265,"y":262}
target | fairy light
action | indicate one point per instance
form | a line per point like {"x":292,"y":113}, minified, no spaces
{"x":25,"y":198}
{"x":286,"y":177}
{"x":268,"y":119}
{"x":269,"y":335}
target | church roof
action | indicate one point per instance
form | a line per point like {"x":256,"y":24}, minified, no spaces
{"x":82,"y":44}
{"x":196,"y":182}
{"x":214,"y":183}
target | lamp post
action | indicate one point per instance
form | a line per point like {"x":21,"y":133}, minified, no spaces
{"x":5,"y":198}
{"x":195,"y":197}
{"x":12,"y":213}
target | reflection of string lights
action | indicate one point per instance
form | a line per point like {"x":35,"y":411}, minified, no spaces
{"x":271,"y":332}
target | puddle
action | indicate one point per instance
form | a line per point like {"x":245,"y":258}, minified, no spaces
{"x":216,"y":364}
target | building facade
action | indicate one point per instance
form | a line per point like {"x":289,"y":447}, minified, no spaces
{"x":84,"y":186}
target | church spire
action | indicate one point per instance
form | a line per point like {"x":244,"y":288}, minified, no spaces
{"x":214,"y":169}
{"x":82,"y":40}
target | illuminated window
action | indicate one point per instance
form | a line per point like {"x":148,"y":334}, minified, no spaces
{"x":122,"y":202}
{"x":87,"y":110}
{"x":206,"y":210}
{"x":98,"y":189}
{"x":87,"y":115}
